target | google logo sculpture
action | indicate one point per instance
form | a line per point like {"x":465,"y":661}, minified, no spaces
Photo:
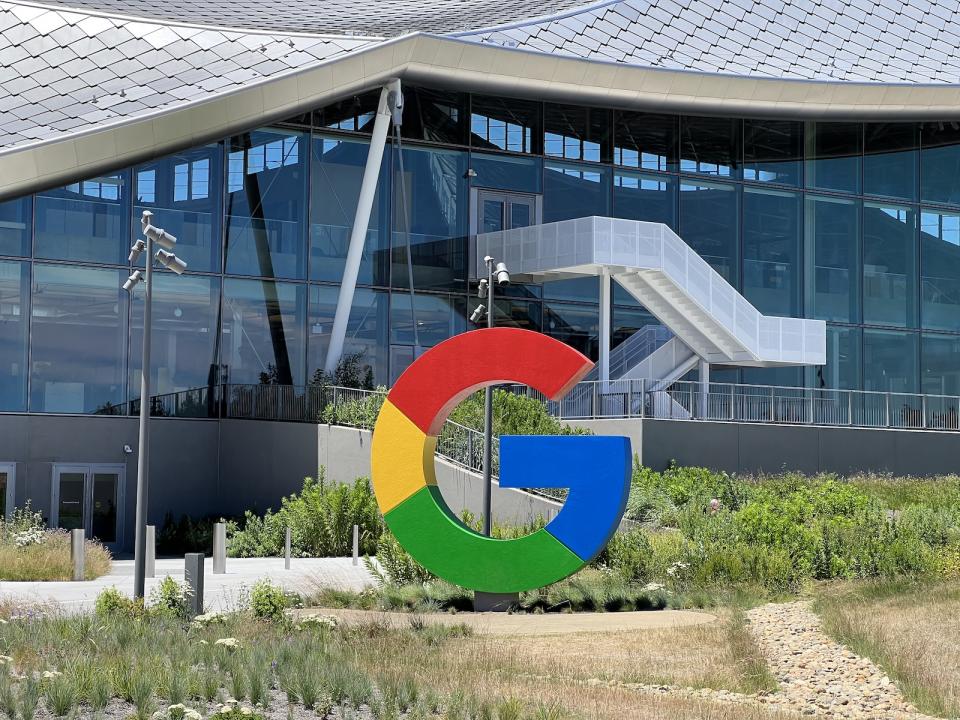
{"x":595,"y":469}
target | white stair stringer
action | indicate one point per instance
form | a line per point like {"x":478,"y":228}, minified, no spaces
{"x":669,"y":278}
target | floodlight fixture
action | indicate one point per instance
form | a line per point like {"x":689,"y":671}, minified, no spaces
{"x":501,"y":274}
{"x":131,"y":282}
{"x":136,"y":250}
{"x":160,"y":237}
{"x":482,"y":290}
{"x":171,"y":262}
{"x":478,"y":314}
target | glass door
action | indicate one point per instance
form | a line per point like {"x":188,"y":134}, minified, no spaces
{"x":498,"y":211}
{"x":8,"y":481}
{"x":89,"y":497}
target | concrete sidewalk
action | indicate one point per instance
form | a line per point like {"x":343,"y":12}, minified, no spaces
{"x":222,"y":592}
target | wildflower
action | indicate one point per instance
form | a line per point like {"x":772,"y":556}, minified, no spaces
{"x":246,"y":711}
{"x":50,"y":674}
{"x":230,"y":643}
{"x":5,"y":660}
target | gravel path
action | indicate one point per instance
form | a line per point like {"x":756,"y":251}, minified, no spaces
{"x":819,"y":676}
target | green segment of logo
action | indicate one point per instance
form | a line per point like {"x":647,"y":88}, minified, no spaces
{"x":427,"y":530}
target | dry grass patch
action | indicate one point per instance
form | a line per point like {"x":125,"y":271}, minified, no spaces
{"x":49,"y":559}
{"x":912,"y":631}
{"x":699,"y":656}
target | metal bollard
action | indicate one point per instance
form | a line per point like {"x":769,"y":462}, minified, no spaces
{"x":356,"y":544}
{"x":77,"y":549}
{"x":286,"y":550}
{"x":219,"y":549}
{"x":193,"y":575}
{"x":151,"y":559}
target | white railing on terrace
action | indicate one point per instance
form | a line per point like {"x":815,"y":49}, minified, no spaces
{"x":732,"y":402}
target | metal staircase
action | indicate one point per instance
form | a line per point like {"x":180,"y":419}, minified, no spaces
{"x":709,"y":319}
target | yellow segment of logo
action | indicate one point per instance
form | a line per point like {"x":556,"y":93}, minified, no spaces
{"x":402,"y":458}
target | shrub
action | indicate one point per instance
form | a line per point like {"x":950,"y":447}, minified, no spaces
{"x":170,"y":599}
{"x":321,"y":519}
{"x":111,"y":603}
{"x":187,"y":534}
{"x":360,"y":412}
{"x":268,"y":601}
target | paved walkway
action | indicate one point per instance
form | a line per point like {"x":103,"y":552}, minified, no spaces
{"x":533,"y":624}
{"x":223,"y":592}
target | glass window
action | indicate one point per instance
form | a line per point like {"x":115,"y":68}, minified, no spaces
{"x":628,"y":320}
{"x":652,"y":198}
{"x":505,"y":124}
{"x":778,"y":376}
{"x":940,"y":270}
{"x":356,"y":113}
{"x":266,"y":204}
{"x":940,"y":162}
{"x":434,"y":115}
{"x":576,"y":325}
{"x":889,"y":265}
{"x":524,"y":314}
{"x":833,"y":156}
{"x":430,"y":219}
{"x":262,"y":337}
{"x":366,"y":329}
{"x":14,"y":301}
{"x":434,"y":319}
{"x":79,"y":338}
{"x":86,"y":221}
{"x":710,"y":224}
{"x":890,"y":160}
{"x":772,"y":151}
{"x":575,"y":191}
{"x":582,"y":289}
{"x":833,"y":241}
{"x":186,"y":312}
{"x":941,"y":371}
{"x":710,"y":146}
{"x":771,"y":251}
{"x":645,"y":140}
{"x":183,"y":190}
{"x":890,"y":361}
{"x":842,"y":370}
{"x":574,"y":132}
{"x":507,"y":172}
{"x":15,"y":227}
{"x":337,"y":172}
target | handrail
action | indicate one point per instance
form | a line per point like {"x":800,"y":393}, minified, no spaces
{"x":589,"y":400}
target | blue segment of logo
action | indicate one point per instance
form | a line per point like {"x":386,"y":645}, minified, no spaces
{"x":595,"y":469}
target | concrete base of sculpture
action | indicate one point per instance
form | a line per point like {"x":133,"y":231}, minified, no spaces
{"x":494,"y":602}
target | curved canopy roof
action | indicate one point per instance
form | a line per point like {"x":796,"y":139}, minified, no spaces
{"x":382,"y":18}
{"x":84,"y":88}
{"x":829,"y":40}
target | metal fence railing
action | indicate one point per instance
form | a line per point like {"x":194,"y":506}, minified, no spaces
{"x":682,"y":400}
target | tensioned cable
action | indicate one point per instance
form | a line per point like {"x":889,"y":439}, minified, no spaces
{"x":406,"y":226}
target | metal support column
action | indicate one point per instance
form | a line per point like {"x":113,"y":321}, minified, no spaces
{"x":390,"y":107}
{"x":606,"y":308}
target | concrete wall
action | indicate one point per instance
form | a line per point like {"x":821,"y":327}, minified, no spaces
{"x":753,"y":448}
{"x":208,"y":467}
{"x":345,"y":452}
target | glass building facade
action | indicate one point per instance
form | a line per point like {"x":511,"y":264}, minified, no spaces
{"x":856,"y":224}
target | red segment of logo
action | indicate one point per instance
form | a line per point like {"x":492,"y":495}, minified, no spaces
{"x":443,"y":377}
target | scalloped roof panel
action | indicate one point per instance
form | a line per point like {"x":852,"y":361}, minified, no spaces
{"x":63,"y":72}
{"x":888,"y":41}
{"x":381,"y":18}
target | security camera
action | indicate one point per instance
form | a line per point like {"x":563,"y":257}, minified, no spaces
{"x":135,"y":277}
{"x":171,"y":262}
{"x":501,"y":274}
{"x":478,"y":314}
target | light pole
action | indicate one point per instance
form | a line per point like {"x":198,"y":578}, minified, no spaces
{"x":170,"y":261}
{"x":499,"y":273}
